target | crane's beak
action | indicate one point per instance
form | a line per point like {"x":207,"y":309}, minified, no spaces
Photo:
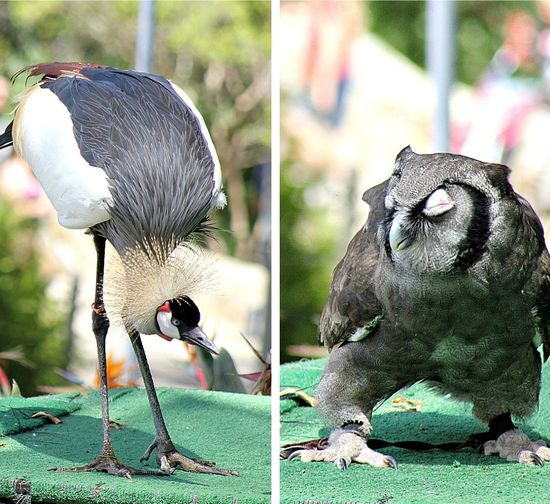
{"x":197,"y":337}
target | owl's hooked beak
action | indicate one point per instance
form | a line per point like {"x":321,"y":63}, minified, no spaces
{"x":399,"y":238}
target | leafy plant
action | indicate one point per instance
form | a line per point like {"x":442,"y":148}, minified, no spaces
{"x":30,"y":322}
{"x":307,"y":259}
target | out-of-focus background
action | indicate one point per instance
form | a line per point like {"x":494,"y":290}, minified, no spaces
{"x":219,"y":53}
{"x":362,"y":80}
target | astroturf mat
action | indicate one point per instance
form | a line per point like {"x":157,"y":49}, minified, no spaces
{"x":231,"y":429}
{"x":434,"y":476}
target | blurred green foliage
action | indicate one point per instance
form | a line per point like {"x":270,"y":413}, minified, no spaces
{"x":29,"y":319}
{"x":217,"y":51}
{"x":307,"y":258}
{"x":479,"y":30}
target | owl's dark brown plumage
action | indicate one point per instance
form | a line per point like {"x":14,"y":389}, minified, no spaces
{"x":449,"y":283}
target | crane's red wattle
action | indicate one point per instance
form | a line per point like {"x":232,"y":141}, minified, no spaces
{"x":165,"y":308}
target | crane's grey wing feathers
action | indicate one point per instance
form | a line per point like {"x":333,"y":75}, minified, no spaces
{"x":6,"y":138}
{"x":352,"y":309}
{"x":140,"y":132}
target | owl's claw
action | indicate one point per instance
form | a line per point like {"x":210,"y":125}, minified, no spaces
{"x":515,"y":445}
{"x":530,"y":458}
{"x":391,"y":462}
{"x":342,"y":464}
{"x":343,"y":448}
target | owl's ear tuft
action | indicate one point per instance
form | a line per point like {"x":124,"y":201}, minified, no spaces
{"x":498,"y":177}
{"x":374,"y":197}
{"x":405,"y":154}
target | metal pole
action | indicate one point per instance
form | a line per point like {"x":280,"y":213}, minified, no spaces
{"x":145,"y":39}
{"x":440,"y":59}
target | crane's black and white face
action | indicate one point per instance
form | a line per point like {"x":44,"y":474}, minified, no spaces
{"x":438,"y":214}
{"x":178,"y":319}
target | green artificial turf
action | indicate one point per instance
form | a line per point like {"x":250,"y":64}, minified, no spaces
{"x":16,"y":413}
{"x":231,"y":429}
{"x":433,"y":476}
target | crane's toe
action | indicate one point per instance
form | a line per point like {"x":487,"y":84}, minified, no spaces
{"x":109,"y":465}
{"x":169,"y":459}
{"x":515,"y":445}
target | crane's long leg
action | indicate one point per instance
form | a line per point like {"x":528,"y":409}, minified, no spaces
{"x":106,"y":460}
{"x":168,"y":457}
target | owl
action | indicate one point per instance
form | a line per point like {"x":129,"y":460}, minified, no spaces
{"x":447,"y":283}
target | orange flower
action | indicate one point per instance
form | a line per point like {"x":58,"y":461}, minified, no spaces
{"x":116,"y":374}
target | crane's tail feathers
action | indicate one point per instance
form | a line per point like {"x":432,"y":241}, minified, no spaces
{"x":6,"y":138}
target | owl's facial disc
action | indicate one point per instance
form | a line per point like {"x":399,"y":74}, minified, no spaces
{"x":438,"y":203}
{"x":402,"y":235}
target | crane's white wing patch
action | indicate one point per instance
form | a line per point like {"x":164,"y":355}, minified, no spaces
{"x":43,"y":136}
{"x":218,"y":195}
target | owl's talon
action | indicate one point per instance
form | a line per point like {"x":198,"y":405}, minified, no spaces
{"x":391,"y":462}
{"x":515,"y":445}
{"x":342,"y":464}
{"x":343,"y":448}
{"x":295,"y":454}
{"x":530,"y":458}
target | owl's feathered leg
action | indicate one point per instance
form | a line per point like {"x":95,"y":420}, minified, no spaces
{"x":517,"y":392}
{"x":346,"y":400}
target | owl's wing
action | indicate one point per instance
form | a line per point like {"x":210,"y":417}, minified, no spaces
{"x":352,"y":309}
{"x":543,"y":304}
{"x":540,"y":282}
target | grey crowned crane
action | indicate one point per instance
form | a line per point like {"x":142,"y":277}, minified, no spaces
{"x":126,"y":155}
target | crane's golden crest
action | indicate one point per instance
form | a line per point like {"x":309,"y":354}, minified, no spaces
{"x":135,"y":285}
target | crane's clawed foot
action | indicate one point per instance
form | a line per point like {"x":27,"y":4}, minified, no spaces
{"x":170,"y":459}
{"x":343,"y":447}
{"x":108,"y":464}
{"x":515,"y":445}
